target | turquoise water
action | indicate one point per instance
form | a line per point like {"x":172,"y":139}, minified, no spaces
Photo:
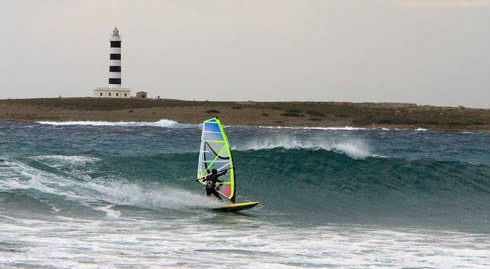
{"x":97,"y":194}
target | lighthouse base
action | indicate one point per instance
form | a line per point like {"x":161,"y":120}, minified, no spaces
{"x":112,"y":93}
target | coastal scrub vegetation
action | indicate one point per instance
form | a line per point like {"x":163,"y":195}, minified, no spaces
{"x":315,"y":113}
{"x":293,"y":113}
{"x":250,"y":112}
{"x":315,"y":119}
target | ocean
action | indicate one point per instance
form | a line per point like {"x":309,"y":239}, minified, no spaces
{"x":122,"y":195}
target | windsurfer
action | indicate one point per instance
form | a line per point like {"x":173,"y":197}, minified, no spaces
{"x":211,"y":180}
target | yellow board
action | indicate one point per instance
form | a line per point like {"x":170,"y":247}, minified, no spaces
{"x":236,"y":207}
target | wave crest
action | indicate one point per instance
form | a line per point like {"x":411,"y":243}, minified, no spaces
{"x":331,"y":128}
{"x":100,"y":194}
{"x":133,"y":194}
{"x":64,"y":159}
{"x":356,"y":149}
{"x":165,"y":123}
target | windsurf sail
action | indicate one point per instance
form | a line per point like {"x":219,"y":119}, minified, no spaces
{"x":215,"y":153}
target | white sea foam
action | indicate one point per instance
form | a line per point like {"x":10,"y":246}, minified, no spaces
{"x":344,"y":128}
{"x":332,"y":128}
{"x":19,"y":176}
{"x":111,"y":213}
{"x":356,"y":149}
{"x":231,"y":242}
{"x":165,"y":123}
{"x":67,"y":159}
{"x":124,"y":193}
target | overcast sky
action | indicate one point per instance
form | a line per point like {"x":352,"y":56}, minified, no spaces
{"x":424,"y":51}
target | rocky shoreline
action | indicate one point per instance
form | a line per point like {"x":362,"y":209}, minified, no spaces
{"x":294,"y":114}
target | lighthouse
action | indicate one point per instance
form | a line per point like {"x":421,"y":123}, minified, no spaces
{"x":114,"y":89}
{"x":115,"y":60}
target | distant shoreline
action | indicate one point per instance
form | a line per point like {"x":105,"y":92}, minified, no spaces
{"x":283,"y":114}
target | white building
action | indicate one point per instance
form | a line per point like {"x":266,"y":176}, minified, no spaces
{"x":114,"y":90}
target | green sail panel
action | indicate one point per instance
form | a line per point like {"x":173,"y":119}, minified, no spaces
{"x":215,"y":153}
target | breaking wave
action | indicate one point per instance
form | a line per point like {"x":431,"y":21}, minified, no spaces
{"x":323,"y":182}
{"x":99,"y":194}
{"x":344,"y":128}
{"x":332,"y":128}
{"x":354,"y":148}
{"x":165,"y":123}
{"x":333,"y":176}
{"x":62,"y":159}
{"x":297,"y":179}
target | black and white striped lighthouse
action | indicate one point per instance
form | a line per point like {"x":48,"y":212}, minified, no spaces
{"x":114,"y":90}
{"x":115,"y":60}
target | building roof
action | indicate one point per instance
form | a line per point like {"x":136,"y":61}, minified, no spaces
{"x":113,"y":89}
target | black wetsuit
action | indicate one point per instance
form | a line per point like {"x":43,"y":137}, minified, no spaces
{"x":211,"y":180}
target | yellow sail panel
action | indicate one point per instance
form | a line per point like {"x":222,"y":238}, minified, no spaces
{"x":215,"y":153}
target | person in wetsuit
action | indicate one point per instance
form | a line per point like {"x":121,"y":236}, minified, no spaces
{"x":211,"y":180}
